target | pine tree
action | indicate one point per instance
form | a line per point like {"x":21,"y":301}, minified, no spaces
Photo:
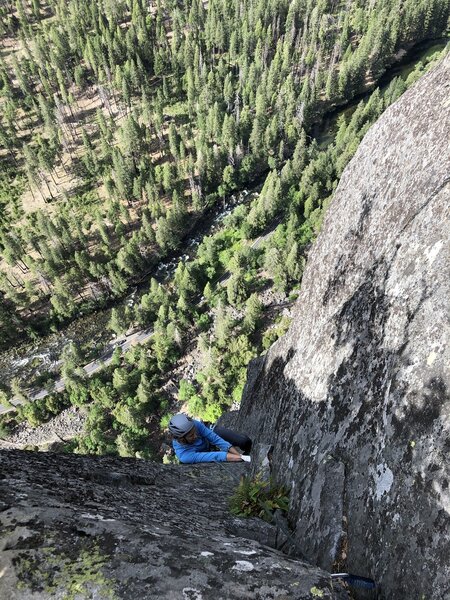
{"x":121,"y":380}
{"x":131,"y":138}
{"x":253,"y":311}
{"x":117,"y":321}
{"x":122,"y":176}
{"x":145,"y":389}
{"x":223,"y":325}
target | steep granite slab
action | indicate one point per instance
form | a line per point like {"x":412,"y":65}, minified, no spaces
{"x":75,"y":527}
{"x":355,"y":398}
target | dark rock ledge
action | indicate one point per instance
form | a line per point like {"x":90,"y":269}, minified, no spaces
{"x":77,"y":527}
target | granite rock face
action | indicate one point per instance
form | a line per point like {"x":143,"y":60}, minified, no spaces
{"x":75,"y":527}
{"x":351,"y":410}
{"x":355,"y":398}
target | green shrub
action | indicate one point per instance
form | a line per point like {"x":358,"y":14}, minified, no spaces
{"x":211,"y":413}
{"x":34,"y":413}
{"x":203,"y":322}
{"x":258,"y":498}
{"x":4,"y":431}
{"x":186,"y":390}
{"x":196,"y":405}
{"x":164,"y":421}
{"x":273,"y":333}
{"x":176,"y":110}
{"x":237,"y":392}
{"x":69,"y":447}
{"x":163,"y":404}
{"x":170,"y":458}
{"x":55,"y":403}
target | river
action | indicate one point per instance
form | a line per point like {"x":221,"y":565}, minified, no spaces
{"x":325,"y":131}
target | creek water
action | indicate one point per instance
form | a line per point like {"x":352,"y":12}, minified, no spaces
{"x":29,"y":360}
{"x":325,"y":131}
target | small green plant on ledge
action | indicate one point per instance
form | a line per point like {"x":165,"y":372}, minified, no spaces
{"x":258,"y":498}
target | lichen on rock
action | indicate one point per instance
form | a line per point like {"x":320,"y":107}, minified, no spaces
{"x":56,"y":573}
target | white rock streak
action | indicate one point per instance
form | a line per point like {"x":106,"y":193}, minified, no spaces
{"x":384,"y":479}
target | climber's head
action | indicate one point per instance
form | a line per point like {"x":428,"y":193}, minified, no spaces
{"x":182,"y":427}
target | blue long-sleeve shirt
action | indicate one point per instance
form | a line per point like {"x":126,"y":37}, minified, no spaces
{"x":198,"y":451}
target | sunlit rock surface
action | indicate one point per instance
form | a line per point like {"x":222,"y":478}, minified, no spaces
{"x":96,"y":527}
{"x":355,"y":398}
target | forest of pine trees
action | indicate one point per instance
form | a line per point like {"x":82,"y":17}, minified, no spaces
{"x":122,"y":123}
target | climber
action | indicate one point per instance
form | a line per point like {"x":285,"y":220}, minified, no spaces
{"x":193,"y":440}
